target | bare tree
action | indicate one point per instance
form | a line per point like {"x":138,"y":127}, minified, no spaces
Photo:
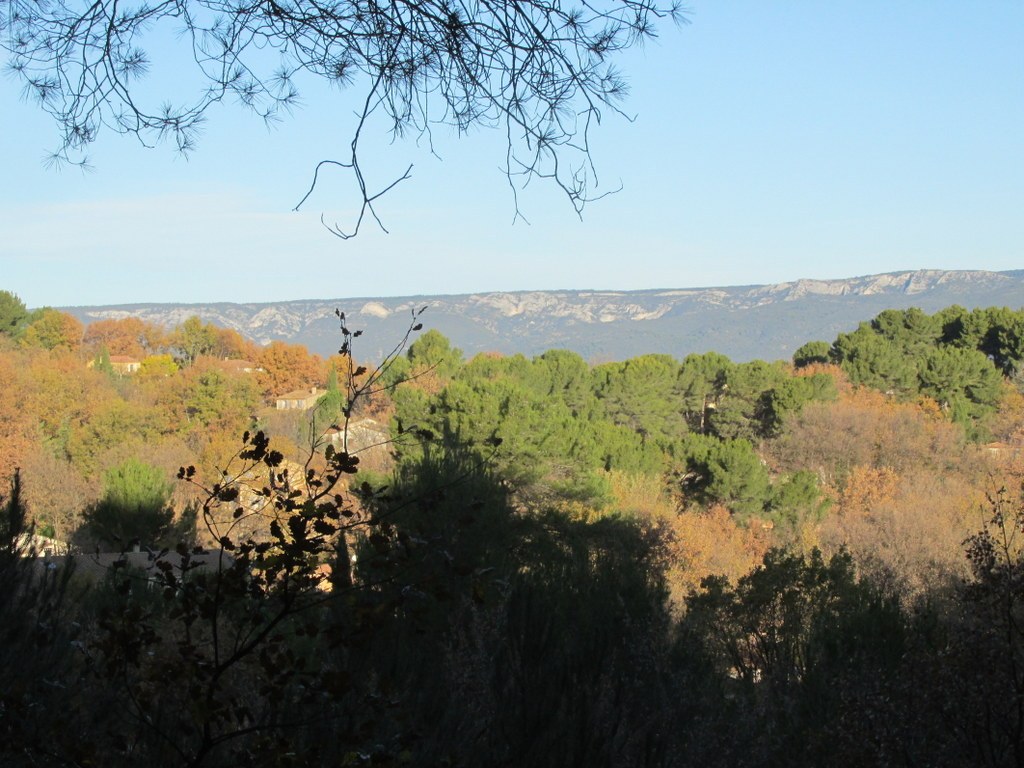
{"x":540,"y":70}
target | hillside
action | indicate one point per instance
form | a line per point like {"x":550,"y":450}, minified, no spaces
{"x":742,"y":322}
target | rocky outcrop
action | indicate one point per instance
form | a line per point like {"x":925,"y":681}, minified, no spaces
{"x":745,"y":322}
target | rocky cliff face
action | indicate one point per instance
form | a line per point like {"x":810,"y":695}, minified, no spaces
{"x":746,"y":322}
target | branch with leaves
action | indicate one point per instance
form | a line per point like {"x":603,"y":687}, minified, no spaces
{"x":213,"y":652}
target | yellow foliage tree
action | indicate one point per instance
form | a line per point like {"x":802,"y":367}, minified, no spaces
{"x":53,"y":329}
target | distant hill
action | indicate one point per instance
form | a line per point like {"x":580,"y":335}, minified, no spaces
{"x":744,"y":322}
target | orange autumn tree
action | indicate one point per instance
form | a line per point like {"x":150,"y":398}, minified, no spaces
{"x":906,"y":530}
{"x":866,"y":428}
{"x":287,"y":367}
{"x":193,"y":339}
{"x":18,"y":427}
{"x":130,"y":336}
{"x":710,"y":542}
{"x":229,"y":344}
{"x":903,"y":479}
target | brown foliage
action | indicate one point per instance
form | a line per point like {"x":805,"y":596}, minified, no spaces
{"x":867,"y":488}
{"x":287,"y":367}
{"x":130,"y":336}
{"x":865,"y":428}
{"x":62,"y":392}
{"x":696,"y":542}
{"x":1008,"y":423}
{"x":842,"y":381}
{"x":18,"y":429}
{"x":232,"y":345}
{"x":55,"y":492}
{"x":904,"y":482}
{"x":906,"y":531}
{"x":641,"y":495}
{"x":709,"y":542}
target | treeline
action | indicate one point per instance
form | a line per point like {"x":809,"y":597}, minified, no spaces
{"x":646,"y":563}
{"x":567,"y":428}
{"x":79,"y":404}
{"x":735,"y":457}
{"x":956,"y":357}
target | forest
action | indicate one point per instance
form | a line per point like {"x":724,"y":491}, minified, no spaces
{"x":510,"y":561}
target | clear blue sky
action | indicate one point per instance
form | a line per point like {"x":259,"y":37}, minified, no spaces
{"x":772,"y":141}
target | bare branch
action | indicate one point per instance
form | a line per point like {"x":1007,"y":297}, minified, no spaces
{"x":538,"y":69}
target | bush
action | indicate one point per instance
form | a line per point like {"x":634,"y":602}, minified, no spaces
{"x":134,"y":506}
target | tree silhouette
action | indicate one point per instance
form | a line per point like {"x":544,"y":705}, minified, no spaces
{"x":540,"y":71}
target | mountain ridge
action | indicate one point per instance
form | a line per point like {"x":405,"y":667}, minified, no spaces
{"x":744,"y":322}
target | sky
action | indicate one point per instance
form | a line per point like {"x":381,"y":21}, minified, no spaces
{"x":771,"y":141}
